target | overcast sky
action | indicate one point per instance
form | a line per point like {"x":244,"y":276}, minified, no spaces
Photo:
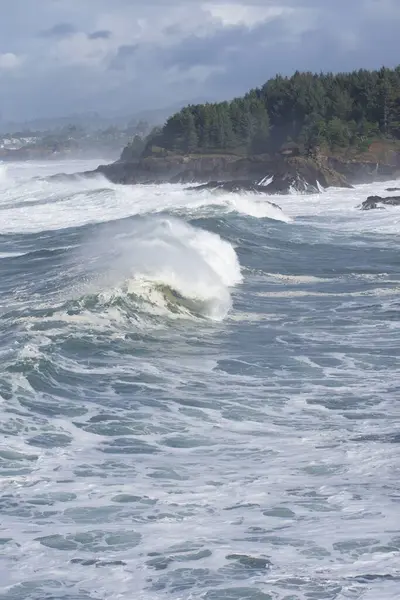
{"x":59,"y":57}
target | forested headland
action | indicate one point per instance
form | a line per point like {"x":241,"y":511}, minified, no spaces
{"x":302,"y":112}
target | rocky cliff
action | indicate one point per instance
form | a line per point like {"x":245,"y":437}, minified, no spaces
{"x":293,"y":171}
{"x":202,"y":169}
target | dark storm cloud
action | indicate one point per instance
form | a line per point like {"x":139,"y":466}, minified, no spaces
{"x":333,"y":42}
{"x":163,"y":51}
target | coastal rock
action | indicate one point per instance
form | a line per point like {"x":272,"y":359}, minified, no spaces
{"x":286,"y":183}
{"x":373,"y":202}
{"x":230,"y":186}
{"x":234,"y":187}
{"x":168,"y":169}
{"x":364,"y":171}
{"x":279,"y":185}
{"x":317,"y":172}
{"x":393,"y":189}
{"x":301,"y":174}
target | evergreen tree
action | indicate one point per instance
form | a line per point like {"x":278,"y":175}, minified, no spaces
{"x":335,"y":110}
{"x":190,"y":139}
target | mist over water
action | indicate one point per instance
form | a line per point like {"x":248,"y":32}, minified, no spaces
{"x":198,"y":392}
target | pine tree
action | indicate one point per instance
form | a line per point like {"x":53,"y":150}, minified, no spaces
{"x":190,"y":140}
{"x":336,"y":110}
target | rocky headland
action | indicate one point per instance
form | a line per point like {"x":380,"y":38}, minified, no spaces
{"x":299,"y":173}
{"x":306,"y":132}
{"x":307,"y":174}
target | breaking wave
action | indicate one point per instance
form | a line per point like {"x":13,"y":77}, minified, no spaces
{"x":151,"y":264}
{"x":166,"y":262}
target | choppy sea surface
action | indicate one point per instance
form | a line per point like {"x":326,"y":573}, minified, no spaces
{"x":199,"y":393}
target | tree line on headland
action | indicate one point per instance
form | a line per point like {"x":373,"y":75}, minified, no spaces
{"x":306,"y":110}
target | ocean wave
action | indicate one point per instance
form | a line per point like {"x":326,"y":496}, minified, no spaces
{"x":165,"y":261}
{"x":73,"y":201}
{"x":156,"y":265}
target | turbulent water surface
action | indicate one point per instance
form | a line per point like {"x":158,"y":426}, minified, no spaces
{"x":199,"y":393}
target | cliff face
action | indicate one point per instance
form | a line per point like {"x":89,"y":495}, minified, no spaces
{"x":356,"y":171}
{"x":379,"y":162}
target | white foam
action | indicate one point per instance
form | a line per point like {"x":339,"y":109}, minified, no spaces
{"x":82,"y":201}
{"x":299,"y":279}
{"x":378,"y":292}
{"x":48,"y":205}
{"x":11,"y":254}
{"x":55,"y":204}
{"x":3,"y":174}
{"x":255,"y":206}
{"x":339,"y":209}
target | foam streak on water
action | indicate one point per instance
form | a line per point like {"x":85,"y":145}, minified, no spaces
{"x":198,"y":392}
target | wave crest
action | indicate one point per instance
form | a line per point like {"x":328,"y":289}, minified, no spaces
{"x":162,"y":263}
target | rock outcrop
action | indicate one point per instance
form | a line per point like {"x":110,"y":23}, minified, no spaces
{"x":280,"y":184}
{"x":302,"y":174}
{"x":234,"y":187}
{"x":230,"y":186}
{"x":357,"y":172}
{"x":373,"y":202}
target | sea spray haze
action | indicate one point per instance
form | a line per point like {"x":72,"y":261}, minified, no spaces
{"x":199,"y":392}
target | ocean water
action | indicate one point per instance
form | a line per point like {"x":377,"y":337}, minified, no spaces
{"x":199,"y":394}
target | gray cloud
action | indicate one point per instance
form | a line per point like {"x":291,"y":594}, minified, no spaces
{"x":220,"y":47}
{"x":123,"y":56}
{"x":59,"y":30}
{"x":129,"y":55}
{"x":103,"y":34}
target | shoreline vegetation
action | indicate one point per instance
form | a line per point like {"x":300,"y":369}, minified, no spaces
{"x":327,"y":129}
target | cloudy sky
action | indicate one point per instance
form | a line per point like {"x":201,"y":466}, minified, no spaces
{"x":59,"y":57}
